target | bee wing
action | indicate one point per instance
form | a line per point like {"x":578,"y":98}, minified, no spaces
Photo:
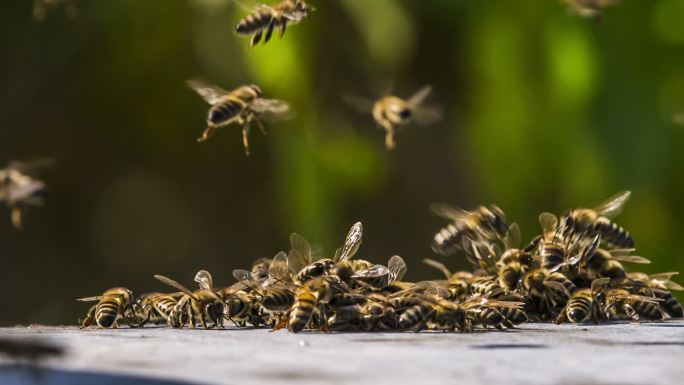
{"x":273,"y":106}
{"x":206,"y":282}
{"x":557,"y":286}
{"x":598,"y":283}
{"x":209,"y":92}
{"x":612,"y":206}
{"x":90,"y":299}
{"x":300,"y":253}
{"x":631,"y":259}
{"x":427,"y":115}
{"x":419,"y":97}
{"x":499,"y":303}
{"x":32,"y":166}
{"x":351,"y":243}
{"x":358,"y":103}
{"x":548,"y":223}
{"x":634,"y":297}
{"x":246,"y":278}
{"x":397,"y":268}
{"x":664,"y":278}
{"x":23,"y":191}
{"x":438,"y":265}
{"x":176,"y":285}
{"x":372,"y":272}
{"x":279,"y":270}
{"x":512,"y":239}
{"x":448,"y":211}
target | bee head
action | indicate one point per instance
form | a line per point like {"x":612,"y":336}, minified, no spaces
{"x":256,"y":89}
{"x":302,"y":6}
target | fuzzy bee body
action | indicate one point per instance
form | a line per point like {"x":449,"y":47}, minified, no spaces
{"x":580,"y":307}
{"x":112,"y":305}
{"x":597,"y":221}
{"x":266,"y":19}
{"x":302,"y":311}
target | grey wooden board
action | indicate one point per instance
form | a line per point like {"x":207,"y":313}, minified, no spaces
{"x":621,"y":353}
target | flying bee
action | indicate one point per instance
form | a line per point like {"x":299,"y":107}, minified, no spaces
{"x":590,"y":9}
{"x":113,"y":305}
{"x":267,"y":18}
{"x":242,"y":105}
{"x":19,"y":190}
{"x":204,"y":304}
{"x":41,"y":8}
{"x":469,"y":231}
{"x":391,"y":112}
{"x":659,"y":286}
{"x":583,"y":222}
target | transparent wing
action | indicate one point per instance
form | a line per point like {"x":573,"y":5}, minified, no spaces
{"x":512,"y":239}
{"x":279,"y":271}
{"x":175,"y":285}
{"x":351,"y":243}
{"x":32,"y":166}
{"x":206,"y":282}
{"x":246,"y":278}
{"x":548,"y":223}
{"x":448,"y":211}
{"x":631,"y":259}
{"x":358,"y":103}
{"x":438,"y":265}
{"x":209,"y":92}
{"x":300,"y":253}
{"x":612,"y":206}
{"x":427,"y":115}
{"x":397,"y":268}
{"x":372,"y":272}
{"x":419,"y":97}
{"x":499,"y":303}
{"x":557,"y":286}
{"x":272,"y":106}
{"x":90,"y":299}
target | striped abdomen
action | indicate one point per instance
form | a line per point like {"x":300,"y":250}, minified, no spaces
{"x":645,"y":309}
{"x":255,"y":22}
{"x":278,"y":300}
{"x":224,"y":112}
{"x":107,"y":311}
{"x":164,"y":306}
{"x":579,"y":306}
{"x":490,"y":316}
{"x":485,"y":286}
{"x":413,"y":316}
{"x":670,"y":303}
{"x":447,"y":241}
{"x":302,"y":310}
{"x":552,"y":255}
{"x":514,"y":315}
{"x":613,"y":234}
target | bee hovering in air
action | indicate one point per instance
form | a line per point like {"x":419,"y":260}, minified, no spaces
{"x":242,"y":105}
{"x":19,"y":190}
{"x":391,"y":112}
{"x":266,"y":18}
{"x":41,"y":8}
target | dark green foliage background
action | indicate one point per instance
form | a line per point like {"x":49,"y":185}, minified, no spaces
{"x":544,"y":112}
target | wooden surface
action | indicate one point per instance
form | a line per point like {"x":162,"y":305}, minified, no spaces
{"x":622,"y":353}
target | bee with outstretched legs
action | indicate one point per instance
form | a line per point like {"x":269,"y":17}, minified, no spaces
{"x":113,"y":305}
{"x":242,"y":105}
{"x":202,"y":306}
{"x":391,"y":112}
{"x":263,"y":21}
{"x":584,"y":222}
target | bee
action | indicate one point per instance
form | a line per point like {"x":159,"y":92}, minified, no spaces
{"x":299,"y":261}
{"x":19,"y":190}
{"x":312,"y":297}
{"x":345,"y":267}
{"x":605,"y":263}
{"x":41,"y":8}
{"x":469,"y":230}
{"x":391,"y":112}
{"x":547,"y":292}
{"x":379,"y":276}
{"x":590,"y":9}
{"x":458,"y":283}
{"x":260,"y":268}
{"x":202,"y":305}
{"x":659,"y":286}
{"x":513,"y":262}
{"x":266,"y":18}
{"x":113,"y":305}
{"x":158,"y":308}
{"x":347,"y":318}
{"x":620,"y":304}
{"x":583,"y":222}
{"x":378,"y":313}
{"x":490,"y":313}
{"x":242,"y":105}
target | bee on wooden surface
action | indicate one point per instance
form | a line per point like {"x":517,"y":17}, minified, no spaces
{"x":265,"y":19}
{"x":659,"y":286}
{"x":242,"y":105}
{"x":42,"y":7}
{"x":391,"y":112}
{"x":457,"y":283}
{"x":379,"y":276}
{"x":547,"y":292}
{"x":113,"y":305}
{"x":312,"y":298}
{"x":622,"y":304}
{"x":204,"y":305}
{"x":158,"y":308}
{"x":347,"y":318}
{"x":584,"y":222}
{"x":469,"y":231}
{"x":378,"y":313}
{"x":20,"y":190}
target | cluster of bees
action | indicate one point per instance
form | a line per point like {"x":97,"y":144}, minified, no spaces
{"x":572,"y":272}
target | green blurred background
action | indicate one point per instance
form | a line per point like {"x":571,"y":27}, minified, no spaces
{"x":544,"y":111}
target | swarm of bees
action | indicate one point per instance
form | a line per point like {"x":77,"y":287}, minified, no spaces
{"x":572,"y":272}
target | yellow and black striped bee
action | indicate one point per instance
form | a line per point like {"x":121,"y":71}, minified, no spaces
{"x":300,"y":263}
{"x":203,"y":306}
{"x":41,"y":8}
{"x":158,"y":308}
{"x":470,"y":231}
{"x":584,"y":222}
{"x":113,"y":305}
{"x":659,"y":286}
{"x":607,"y":263}
{"x":547,"y":292}
{"x":458,"y":283}
{"x":620,"y":304}
{"x":379,"y":276}
{"x":312,"y":299}
{"x":242,"y":105}
{"x":584,"y":304}
{"x":267,"y":18}
{"x":391,"y":112}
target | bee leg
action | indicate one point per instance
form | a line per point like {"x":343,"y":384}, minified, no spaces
{"x":389,"y":137}
{"x":245,"y":138}
{"x":283,"y":26}
{"x":88,"y":320}
{"x":17,"y":218}
{"x":269,"y":32}
{"x":208,"y":133}
{"x":261,"y":126}
{"x":256,"y":38}
{"x":631,"y":313}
